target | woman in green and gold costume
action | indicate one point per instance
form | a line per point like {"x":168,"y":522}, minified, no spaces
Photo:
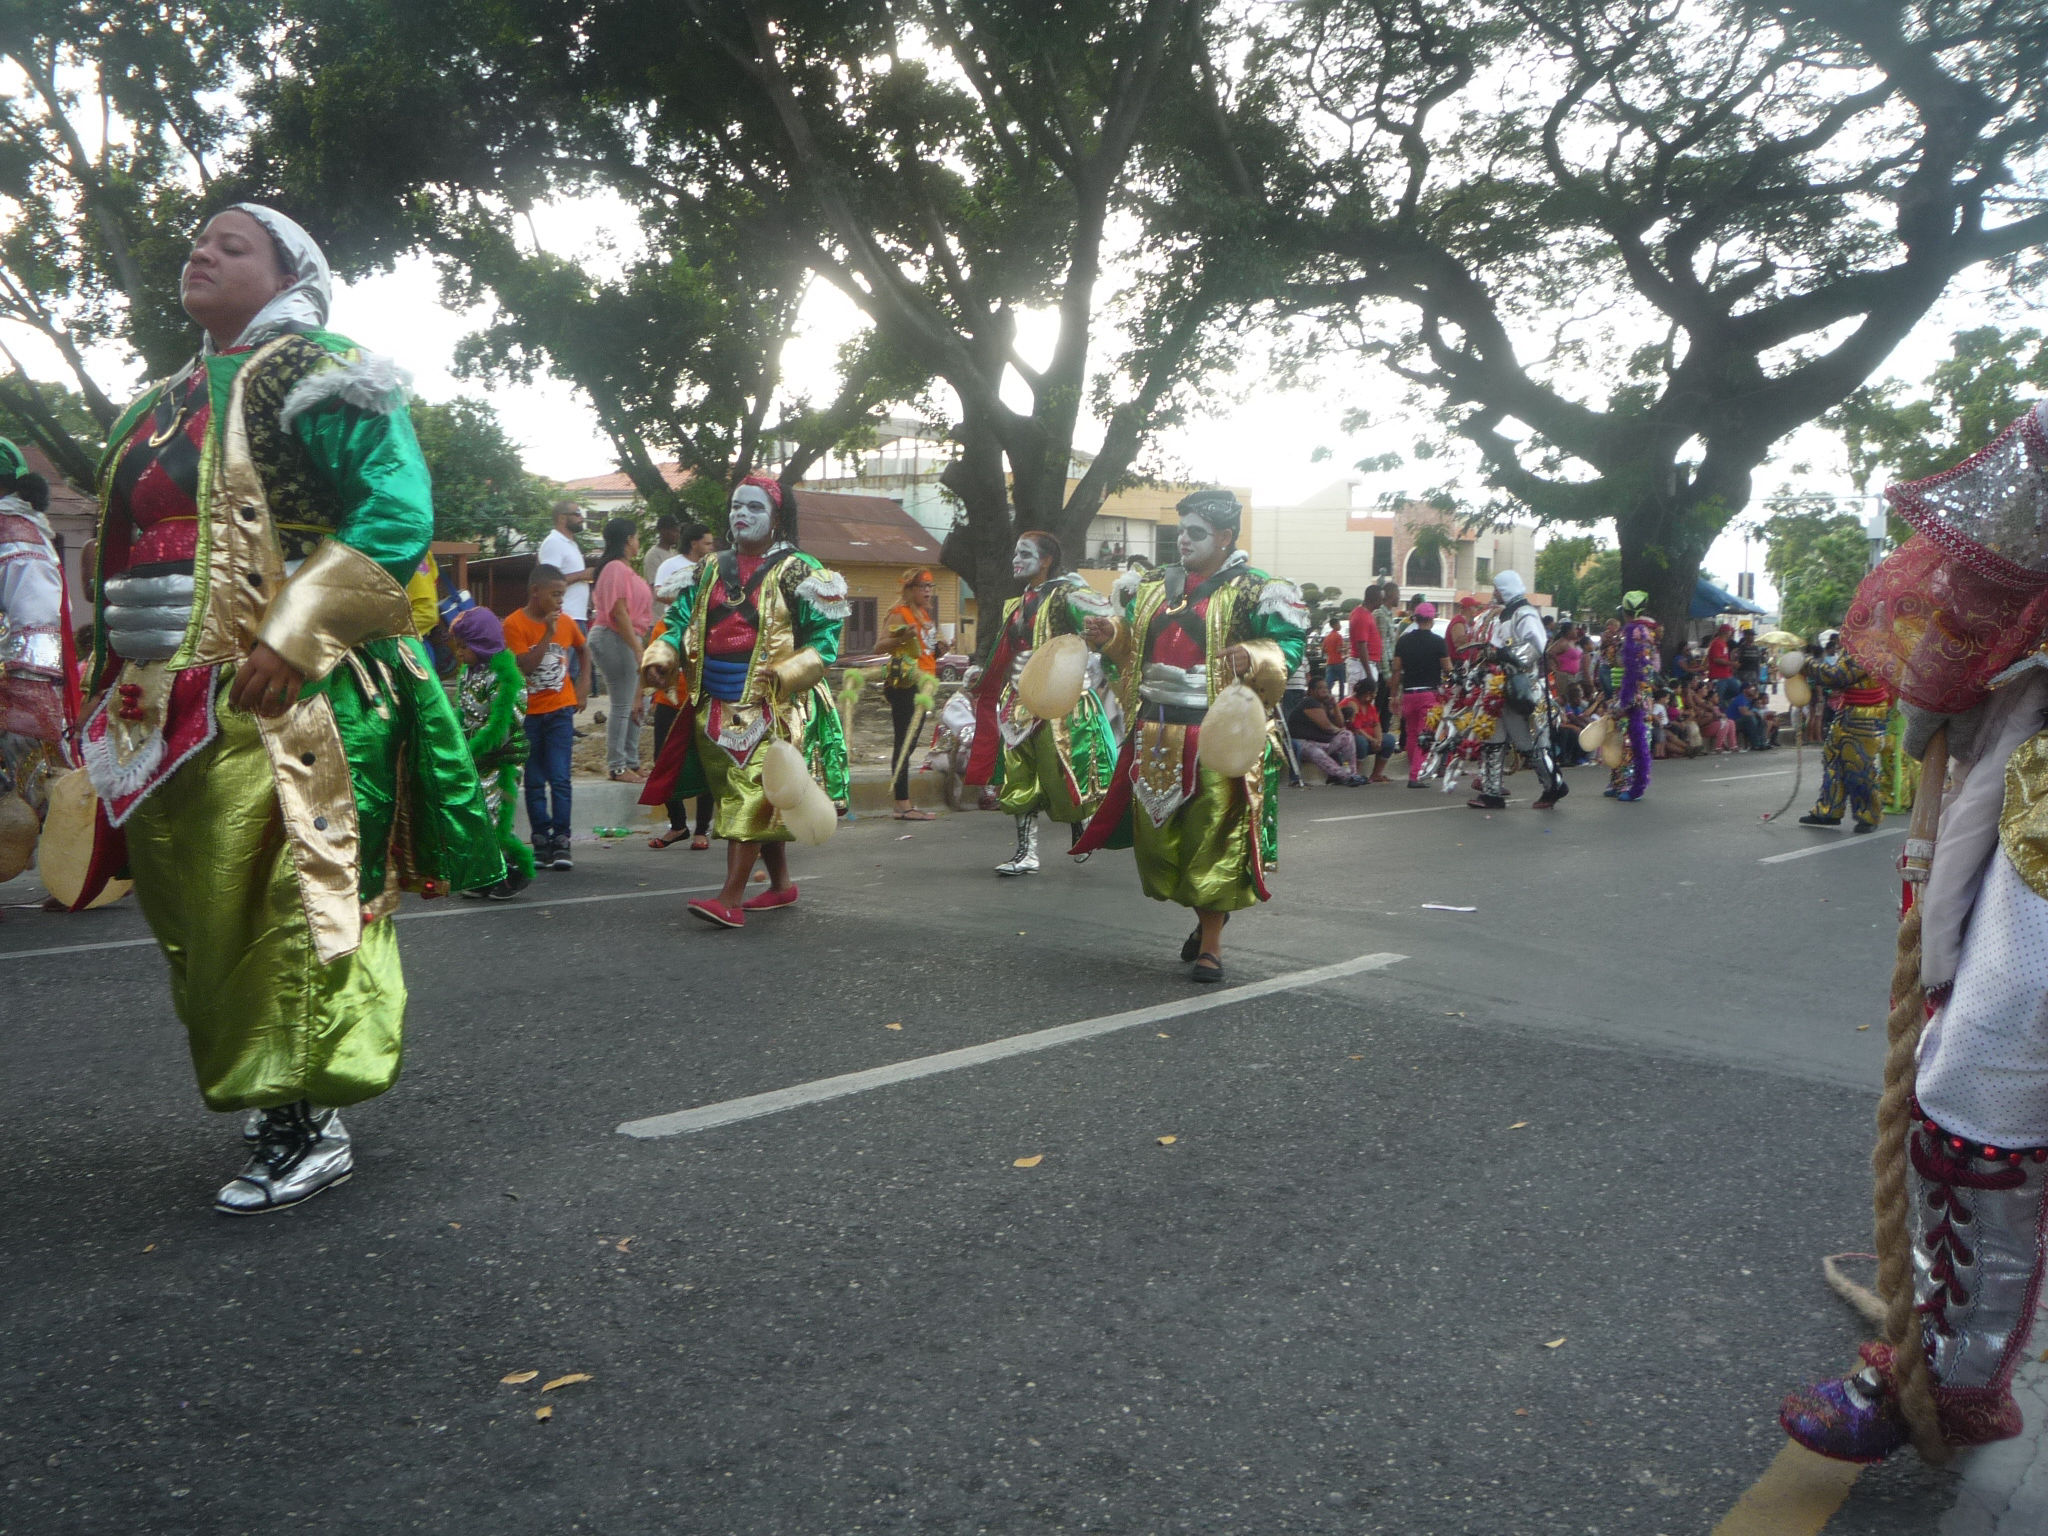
{"x":1061,"y":767}
{"x":750,"y":641}
{"x":1201,"y":839}
{"x":274,"y":758}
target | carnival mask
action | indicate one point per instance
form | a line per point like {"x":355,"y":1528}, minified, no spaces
{"x":1197,"y":543}
{"x":751,"y":515}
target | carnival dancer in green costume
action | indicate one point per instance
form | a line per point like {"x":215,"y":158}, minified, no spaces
{"x":1061,"y":767}
{"x":274,"y":758}
{"x":490,"y":700}
{"x":1201,"y":839}
{"x":750,"y":641}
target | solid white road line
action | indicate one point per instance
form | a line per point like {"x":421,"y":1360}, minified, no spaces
{"x":1737,"y":778}
{"x":1412,"y":810}
{"x":755,"y":1105}
{"x":1832,"y":845}
{"x":467,"y":909}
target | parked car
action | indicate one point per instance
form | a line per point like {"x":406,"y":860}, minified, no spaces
{"x":952,"y":666}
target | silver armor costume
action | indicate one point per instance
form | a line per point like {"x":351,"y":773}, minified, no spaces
{"x":1518,"y":642}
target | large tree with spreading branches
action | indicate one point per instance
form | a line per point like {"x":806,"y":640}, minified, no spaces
{"x":1626,"y":248}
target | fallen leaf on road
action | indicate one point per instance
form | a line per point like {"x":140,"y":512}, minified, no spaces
{"x":1167,"y":1141}
{"x":149,"y":1248}
{"x":1358,"y":1058}
{"x":456,"y":1225}
{"x":1554,"y":1343}
{"x":1449,"y":1015}
{"x":1521,"y":1413}
{"x":1164,"y":1036}
{"x":1518,"y":1125}
{"x":1029,"y":1162}
{"x":1861,"y":1027}
{"x":623,"y":1244}
{"x":517,"y":1377}
{"x":892,"y":1026}
{"x":543,"y":1414}
{"x":573,"y":1377}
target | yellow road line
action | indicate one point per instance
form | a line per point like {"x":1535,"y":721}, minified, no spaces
{"x":1797,"y":1495}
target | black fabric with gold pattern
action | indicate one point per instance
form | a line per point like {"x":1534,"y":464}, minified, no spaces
{"x":305,"y":504}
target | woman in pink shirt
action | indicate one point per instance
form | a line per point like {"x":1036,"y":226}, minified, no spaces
{"x":621,"y":619}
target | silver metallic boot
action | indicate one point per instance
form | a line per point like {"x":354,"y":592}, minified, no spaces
{"x":1025,"y":860}
{"x":300,"y":1151}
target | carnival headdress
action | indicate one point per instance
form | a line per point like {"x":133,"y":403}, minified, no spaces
{"x":1218,"y":508}
{"x":1967,"y":595}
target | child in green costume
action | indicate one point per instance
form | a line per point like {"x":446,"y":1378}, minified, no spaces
{"x":490,"y":697}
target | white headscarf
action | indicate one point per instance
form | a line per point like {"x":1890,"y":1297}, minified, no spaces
{"x":1507,"y":586}
{"x":304,"y":305}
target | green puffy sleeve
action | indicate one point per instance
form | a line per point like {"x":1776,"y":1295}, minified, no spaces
{"x":818,"y":609}
{"x":1280,"y":615}
{"x":506,"y":705}
{"x":374,"y":461}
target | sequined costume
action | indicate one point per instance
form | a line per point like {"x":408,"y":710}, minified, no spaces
{"x":1855,"y":740}
{"x":1977,"y":1151}
{"x":1061,"y":767}
{"x":275,"y":493}
{"x":38,"y":678}
{"x":1201,"y":840}
{"x":1631,"y":705}
{"x":753,"y":637}
{"x":1513,"y":643}
{"x":490,"y":698}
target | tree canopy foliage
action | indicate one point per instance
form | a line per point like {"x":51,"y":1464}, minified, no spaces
{"x":1816,"y":558}
{"x":1558,"y":564}
{"x":481,"y":489}
{"x":1990,"y":378}
{"x":1509,"y":196}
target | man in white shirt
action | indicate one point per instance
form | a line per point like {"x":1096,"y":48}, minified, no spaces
{"x":560,"y":550}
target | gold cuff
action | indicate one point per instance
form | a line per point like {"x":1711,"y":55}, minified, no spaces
{"x":660,"y":653}
{"x":1267,"y":675}
{"x":339,"y":598}
{"x":1120,"y":650}
{"x":798,"y":673}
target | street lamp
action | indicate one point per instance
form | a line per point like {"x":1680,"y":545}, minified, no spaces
{"x":1875,"y":532}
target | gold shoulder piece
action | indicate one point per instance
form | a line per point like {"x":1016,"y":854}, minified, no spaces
{"x":339,"y":598}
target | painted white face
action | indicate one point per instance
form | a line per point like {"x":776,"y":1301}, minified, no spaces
{"x":1024,"y":563}
{"x":751,"y":515}
{"x":1198,"y":542}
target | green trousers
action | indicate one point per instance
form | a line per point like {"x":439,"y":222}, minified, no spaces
{"x":266,"y":1021}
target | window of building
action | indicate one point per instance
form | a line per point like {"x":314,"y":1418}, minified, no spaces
{"x":859,"y":636}
{"x":1484,"y":573}
{"x":1166,"y":543}
{"x":1383,"y":554}
{"x":1425,"y":568}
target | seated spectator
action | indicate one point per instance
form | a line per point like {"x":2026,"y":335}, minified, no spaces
{"x":1716,"y":730}
{"x":1361,"y":716}
{"x":1320,"y":738}
{"x":1572,"y":717}
{"x":1766,"y":716}
{"x":1749,"y":725}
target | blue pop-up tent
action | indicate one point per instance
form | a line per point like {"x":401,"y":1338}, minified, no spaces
{"x":1708,"y":600}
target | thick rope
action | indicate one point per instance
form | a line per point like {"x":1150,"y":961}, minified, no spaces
{"x":1861,"y":1297}
{"x":1798,"y":767}
{"x":1890,"y":1198}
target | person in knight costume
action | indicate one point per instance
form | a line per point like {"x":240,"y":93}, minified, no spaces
{"x":39,"y":701}
{"x":1956,"y":621}
{"x":1201,"y":839}
{"x":1060,"y":767}
{"x":1514,"y":644}
{"x":1633,"y":697}
{"x":274,"y":757}
{"x":746,"y":646}
{"x":1848,"y":758}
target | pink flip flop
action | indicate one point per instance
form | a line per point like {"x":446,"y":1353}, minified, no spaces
{"x":768,"y":901}
{"x":718,"y":912}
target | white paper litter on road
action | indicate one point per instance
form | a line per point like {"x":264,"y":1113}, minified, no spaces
{"x":1438,"y":906}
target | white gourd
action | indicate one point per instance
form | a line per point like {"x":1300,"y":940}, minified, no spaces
{"x":812,"y":819}
{"x":65,"y":855}
{"x":1612,"y":751}
{"x":18,"y":829}
{"x":1798,"y":692}
{"x":1593,"y":735}
{"x":783,"y":774}
{"x":1233,"y":737}
{"x":1791,"y":663}
{"x":1051,"y":682}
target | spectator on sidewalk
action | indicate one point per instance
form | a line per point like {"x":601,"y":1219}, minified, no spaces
{"x":1361,"y":717}
{"x":1421,"y":661}
{"x":621,"y":625}
{"x":1368,"y":649}
{"x":678,"y":571}
{"x":1721,"y":661}
{"x":668,"y":530}
{"x":1336,"y":644}
{"x":550,"y":651}
{"x":561,"y":550}
{"x":1320,"y":738}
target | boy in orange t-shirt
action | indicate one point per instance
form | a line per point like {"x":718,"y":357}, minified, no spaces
{"x":549,"y":648}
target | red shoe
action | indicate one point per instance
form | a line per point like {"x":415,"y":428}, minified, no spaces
{"x":714,"y":911}
{"x":768,"y":901}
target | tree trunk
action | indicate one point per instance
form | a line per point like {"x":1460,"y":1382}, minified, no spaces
{"x":979,"y":549}
{"x":1659,"y":556}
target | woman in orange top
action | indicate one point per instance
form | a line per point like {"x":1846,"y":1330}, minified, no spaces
{"x":912,"y":630}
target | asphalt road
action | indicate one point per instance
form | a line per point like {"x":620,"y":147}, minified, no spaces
{"x":1518,"y":1232}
